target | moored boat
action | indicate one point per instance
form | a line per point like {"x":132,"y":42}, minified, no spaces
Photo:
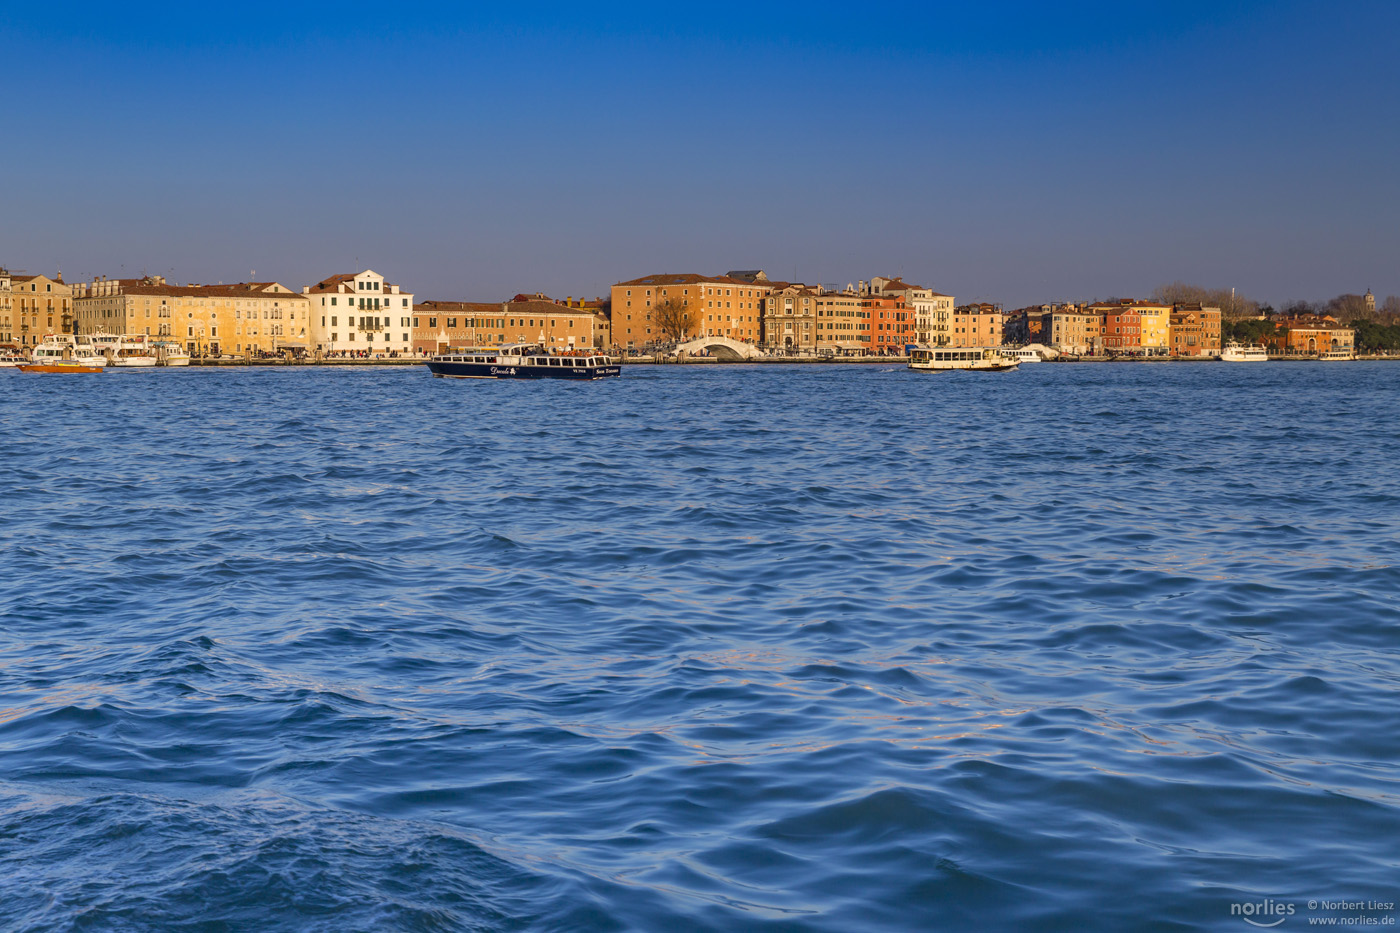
{"x":523,"y":361}
{"x":1332,"y":356}
{"x":64,"y":353}
{"x":170,"y":353}
{"x":133,"y":351}
{"x":946,"y":359}
{"x":1022,"y":354}
{"x":1235,"y":352}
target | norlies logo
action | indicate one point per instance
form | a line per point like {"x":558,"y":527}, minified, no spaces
{"x":1265,"y":913}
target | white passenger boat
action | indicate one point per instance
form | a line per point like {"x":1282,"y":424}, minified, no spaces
{"x":1332,"y":356}
{"x":944,"y":359}
{"x":133,"y":351}
{"x":1235,"y":352}
{"x":103,"y":344}
{"x":11,"y":357}
{"x":64,"y":353}
{"x":1022,"y":354}
{"x":170,"y":353}
{"x":67,"y":350}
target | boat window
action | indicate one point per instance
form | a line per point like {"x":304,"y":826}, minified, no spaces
{"x":553,"y":362}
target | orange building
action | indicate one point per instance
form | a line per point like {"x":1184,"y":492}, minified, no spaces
{"x":1122,"y":326}
{"x":888,"y":324}
{"x":720,"y":305}
{"x":1308,"y":334}
{"x":438,"y":325}
{"x":1195,"y":331}
{"x":978,"y":325}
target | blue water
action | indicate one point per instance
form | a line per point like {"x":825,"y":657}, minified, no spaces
{"x":795,"y":648}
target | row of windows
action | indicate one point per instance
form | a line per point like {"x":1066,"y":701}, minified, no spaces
{"x":366,"y":304}
{"x":369,"y":338}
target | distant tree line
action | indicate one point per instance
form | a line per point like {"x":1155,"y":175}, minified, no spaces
{"x":1247,"y":320}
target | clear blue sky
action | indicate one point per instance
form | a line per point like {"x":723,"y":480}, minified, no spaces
{"x":1011,"y":152}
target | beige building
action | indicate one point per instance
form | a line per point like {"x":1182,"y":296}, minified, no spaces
{"x":843,"y":324}
{"x":1072,"y":329}
{"x":32,"y":306}
{"x":790,"y":317}
{"x":438,"y":325}
{"x":242,"y":319}
{"x":360,"y":313}
{"x":721,"y":305}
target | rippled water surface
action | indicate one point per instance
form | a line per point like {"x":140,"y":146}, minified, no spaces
{"x":790,"y":648}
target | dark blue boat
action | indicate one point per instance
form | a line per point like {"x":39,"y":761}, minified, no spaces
{"x":523,"y":361}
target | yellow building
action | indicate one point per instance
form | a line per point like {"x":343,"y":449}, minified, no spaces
{"x":242,"y":319}
{"x":1156,"y":327}
{"x":32,"y":306}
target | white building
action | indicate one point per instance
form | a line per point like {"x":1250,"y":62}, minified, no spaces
{"x":360,"y":312}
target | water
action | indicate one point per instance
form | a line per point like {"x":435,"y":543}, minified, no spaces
{"x":807,"y":648}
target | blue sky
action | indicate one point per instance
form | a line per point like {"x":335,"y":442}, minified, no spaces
{"x":1011,"y":152}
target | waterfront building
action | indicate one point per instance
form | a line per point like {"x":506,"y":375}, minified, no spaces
{"x":1195,"y":330}
{"x":976,"y":325}
{"x":1154,"y":322}
{"x":843,"y":327}
{"x":889,"y":323}
{"x":32,"y":306}
{"x":1135,"y":327}
{"x":440,"y":325}
{"x":1072,"y":329}
{"x":240,"y":319}
{"x":1122,"y":326}
{"x":1308,"y":334}
{"x":359,"y":312}
{"x":790,"y":317}
{"x":718,"y":305}
{"x":932,"y":311}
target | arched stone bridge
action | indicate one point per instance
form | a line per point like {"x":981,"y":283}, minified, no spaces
{"x":725,"y":348}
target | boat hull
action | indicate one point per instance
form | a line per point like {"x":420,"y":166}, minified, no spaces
{"x":459,"y":370}
{"x":978,"y":367}
{"x":60,"y":368}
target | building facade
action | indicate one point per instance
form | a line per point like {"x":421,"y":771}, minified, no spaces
{"x":843,"y":327}
{"x":717,"y":305}
{"x":889,"y":323}
{"x":1073,"y":330}
{"x":978,"y":325}
{"x":440,"y":325}
{"x":1195,"y":330}
{"x":360,"y":313}
{"x":1309,"y":334}
{"x":932,"y":311}
{"x":241,"y":319}
{"x":790,"y":318}
{"x":1122,"y":327}
{"x":32,"y":306}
